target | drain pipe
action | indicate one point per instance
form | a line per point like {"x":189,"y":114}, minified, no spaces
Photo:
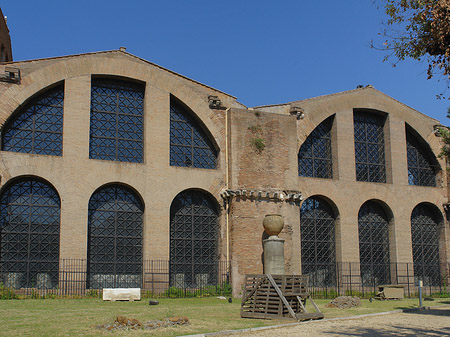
{"x":227,"y":205}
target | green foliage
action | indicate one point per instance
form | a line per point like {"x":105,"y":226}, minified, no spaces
{"x":258,"y":144}
{"x":7,"y":293}
{"x":93,"y":293}
{"x":366,"y":294}
{"x":255,"y":128}
{"x":35,"y":295}
{"x":418,"y":29}
{"x":220,"y":290}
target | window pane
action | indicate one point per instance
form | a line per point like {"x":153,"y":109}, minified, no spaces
{"x":37,"y":128}
{"x":30,"y":223}
{"x":116,"y":131}
{"x":115,"y":238}
{"x":189,"y":145}
{"x":314,"y":157}
{"x":193,"y":240}
{"x":369,"y":147}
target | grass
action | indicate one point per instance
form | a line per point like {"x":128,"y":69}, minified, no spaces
{"x":78,"y":317}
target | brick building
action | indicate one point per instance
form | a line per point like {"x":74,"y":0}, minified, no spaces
{"x":112,"y":160}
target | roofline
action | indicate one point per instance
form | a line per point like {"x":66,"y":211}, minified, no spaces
{"x":2,"y":17}
{"x":129,"y":54}
{"x":368,"y":87}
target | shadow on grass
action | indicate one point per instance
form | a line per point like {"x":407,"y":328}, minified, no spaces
{"x":395,"y":331}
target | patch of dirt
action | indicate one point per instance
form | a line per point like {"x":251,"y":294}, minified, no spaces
{"x":127,"y":323}
{"x":345,"y":302}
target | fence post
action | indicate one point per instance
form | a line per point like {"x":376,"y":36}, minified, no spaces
{"x":407,"y":275}
{"x":350,"y":268}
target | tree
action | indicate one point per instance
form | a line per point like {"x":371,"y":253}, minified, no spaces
{"x":419,"y":29}
{"x":444,"y":133}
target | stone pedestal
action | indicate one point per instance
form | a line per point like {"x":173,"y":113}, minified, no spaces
{"x":274,"y":255}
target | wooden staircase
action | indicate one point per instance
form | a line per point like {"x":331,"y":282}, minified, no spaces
{"x":277,"y":296}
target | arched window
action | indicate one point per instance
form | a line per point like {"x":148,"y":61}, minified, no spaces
{"x":373,"y":244}
{"x":369,"y":147}
{"x":317,"y":231}
{"x":30,"y":225}
{"x":117,"y":120}
{"x":425,"y":243}
{"x":193,"y":240}
{"x":189,"y":144}
{"x":115,"y":224}
{"x":314,"y":157}
{"x":422,"y":166}
{"x":37,"y":127}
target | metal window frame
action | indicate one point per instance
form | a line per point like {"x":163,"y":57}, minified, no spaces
{"x":30,"y":233}
{"x":425,"y":243}
{"x":317,"y":217}
{"x":421,"y":169}
{"x":367,"y":170}
{"x":373,"y":232}
{"x":193,"y":246}
{"x":125,"y":99}
{"x":47,"y":106}
{"x":311,"y":165}
{"x":194,"y":160}
{"x":110,"y":266}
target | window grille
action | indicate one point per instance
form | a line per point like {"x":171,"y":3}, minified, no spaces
{"x":37,"y":127}
{"x":30,"y":222}
{"x":373,"y":244}
{"x":189,"y":145}
{"x":369,"y":147}
{"x":193,"y":240}
{"x":117,"y":119}
{"x":421,"y":167}
{"x":115,"y":238}
{"x":425,"y":244}
{"x":314,"y":157}
{"x":317,"y":231}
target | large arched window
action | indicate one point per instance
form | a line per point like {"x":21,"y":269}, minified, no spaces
{"x":30,"y":225}
{"x":422,"y":165}
{"x":369,"y":147}
{"x":314,"y":157}
{"x":373,"y":231}
{"x":189,"y":144}
{"x":317,"y":231}
{"x":193,"y":240}
{"x":37,"y":127}
{"x":117,"y":121}
{"x":115,"y":224}
{"x":425,"y":220}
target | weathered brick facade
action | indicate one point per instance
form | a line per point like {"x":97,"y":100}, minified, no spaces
{"x":257,"y":151}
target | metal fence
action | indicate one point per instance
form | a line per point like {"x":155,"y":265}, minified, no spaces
{"x":346,"y":278}
{"x":158,"y":279}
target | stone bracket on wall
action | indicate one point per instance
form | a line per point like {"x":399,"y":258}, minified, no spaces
{"x":270,"y":195}
{"x":12,"y":75}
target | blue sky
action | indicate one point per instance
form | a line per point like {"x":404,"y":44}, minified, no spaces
{"x":262,"y":52}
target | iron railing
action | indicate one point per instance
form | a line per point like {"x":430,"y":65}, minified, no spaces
{"x":156,"y":280}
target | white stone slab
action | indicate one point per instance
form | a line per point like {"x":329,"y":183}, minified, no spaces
{"x":121,"y":294}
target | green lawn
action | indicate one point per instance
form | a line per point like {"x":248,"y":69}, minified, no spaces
{"x":78,"y":317}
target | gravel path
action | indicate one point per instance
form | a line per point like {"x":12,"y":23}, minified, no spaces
{"x":432,"y":322}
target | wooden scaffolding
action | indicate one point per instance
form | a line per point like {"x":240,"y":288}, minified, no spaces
{"x":277,"y":296}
